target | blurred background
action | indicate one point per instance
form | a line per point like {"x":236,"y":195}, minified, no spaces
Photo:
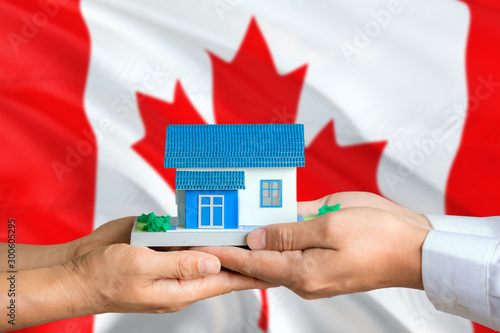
{"x":399,"y":98}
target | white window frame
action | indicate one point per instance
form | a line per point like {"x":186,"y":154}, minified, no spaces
{"x":211,"y":205}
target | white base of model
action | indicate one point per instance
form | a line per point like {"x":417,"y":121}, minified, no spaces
{"x":181,"y":236}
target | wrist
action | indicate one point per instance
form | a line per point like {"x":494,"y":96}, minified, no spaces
{"x":71,"y":249}
{"x":423,"y":222}
{"x":79,"y":288}
{"x":414,"y":258}
{"x":49,"y":294}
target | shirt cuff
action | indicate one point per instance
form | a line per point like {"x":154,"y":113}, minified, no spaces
{"x":455,"y":274}
{"x":480,"y":226}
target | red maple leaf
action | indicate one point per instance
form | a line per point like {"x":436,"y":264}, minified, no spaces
{"x":249,"y":89}
{"x":331,"y":168}
{"x":156,"y":115}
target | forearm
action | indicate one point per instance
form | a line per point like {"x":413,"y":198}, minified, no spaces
{"x":37,"y":256}
{"x":41,"y":295}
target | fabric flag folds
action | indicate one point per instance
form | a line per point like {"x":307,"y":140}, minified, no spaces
{"x":399,"y":98}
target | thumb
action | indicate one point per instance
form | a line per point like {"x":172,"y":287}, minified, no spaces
{"x":287,"y":236}
{"x":185,"y":264}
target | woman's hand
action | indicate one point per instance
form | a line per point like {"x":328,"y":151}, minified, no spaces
{"x":113,"y":232}
{"x":119,"y":278}
{"x":38,"y":256}
{"x":124,"y":278}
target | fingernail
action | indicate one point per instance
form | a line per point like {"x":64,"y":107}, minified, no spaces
{"x":208,"y":266}
{"x":257,"y":239}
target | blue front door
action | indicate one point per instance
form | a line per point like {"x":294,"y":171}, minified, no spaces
{"x":211,"y":211}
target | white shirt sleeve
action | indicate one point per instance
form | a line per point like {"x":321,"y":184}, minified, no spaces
{"x":461,"y":267}
{"x":480,"y":226}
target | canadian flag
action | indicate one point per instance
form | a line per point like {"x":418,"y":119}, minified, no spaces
{"x":400,"y":98}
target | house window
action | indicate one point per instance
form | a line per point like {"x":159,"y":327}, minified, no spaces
{"x":210,"y":211}
{"x":270,"y":193}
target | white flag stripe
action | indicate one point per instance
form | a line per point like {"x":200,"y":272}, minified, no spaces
{"x":380,"y":311}
{"x":235,"y":312}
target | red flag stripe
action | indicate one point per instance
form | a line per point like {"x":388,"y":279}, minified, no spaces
{"x":264,"y":311}
{"x":473,"y":182}
{"x":48,"y":149}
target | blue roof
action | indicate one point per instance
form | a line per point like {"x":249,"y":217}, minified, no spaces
{"x":234,"y":146}
{"x":209,"y":180}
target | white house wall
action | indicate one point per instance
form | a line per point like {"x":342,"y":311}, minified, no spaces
{"x":249,"y":199}
{"x":250,"y":212}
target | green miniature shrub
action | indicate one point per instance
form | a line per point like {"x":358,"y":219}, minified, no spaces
{"x":155,"y":223}
{"x":327,"y":209}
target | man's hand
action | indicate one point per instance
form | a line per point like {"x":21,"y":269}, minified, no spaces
{"x":351,"y":250}
{"x":364,"y":199}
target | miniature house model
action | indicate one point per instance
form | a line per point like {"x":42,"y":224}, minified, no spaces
{"x":231,"y":179}
{"x":231,"y":176}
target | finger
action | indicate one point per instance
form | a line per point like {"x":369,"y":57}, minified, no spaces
{"x":228,"y":281}
{"x":118,"y":230}
{"x":219,"y":284}
{"x":182,"y":264}
{"x":309,"y":207}
{"x":288,"y":236}
{"x":367,"y":199}
{"x":270,"y":266}
{"x":169,"y":248}
{"x":346,"y":199}
{"x":124,"y":224}
{"x":351,"y":199}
